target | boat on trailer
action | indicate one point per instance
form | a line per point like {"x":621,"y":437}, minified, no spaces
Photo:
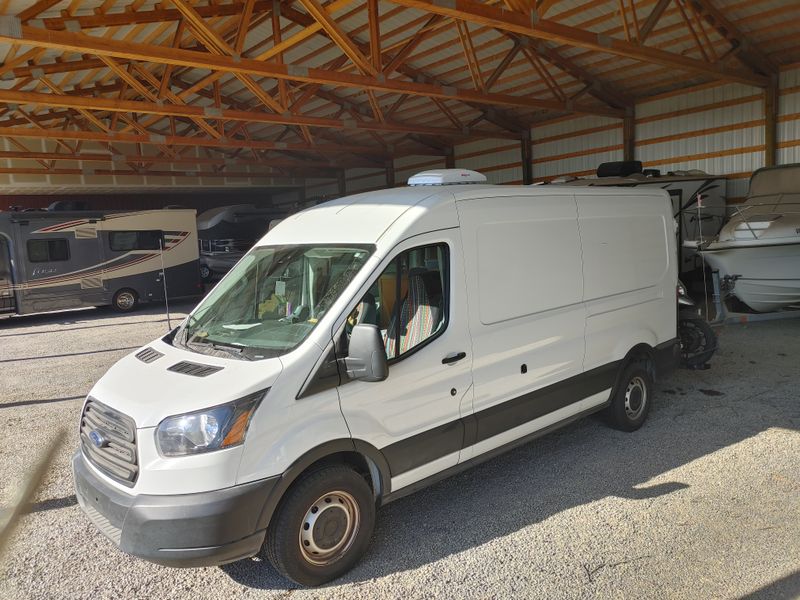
{"x":757,"y":252}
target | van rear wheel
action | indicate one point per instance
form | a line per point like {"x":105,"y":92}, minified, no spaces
{"x":322,"y":526}
{"x":631,"y":399}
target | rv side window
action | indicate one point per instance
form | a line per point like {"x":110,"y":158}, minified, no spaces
{"x":48,"y":250}
{"x":408,"y":301}
{"x":123,"y":241}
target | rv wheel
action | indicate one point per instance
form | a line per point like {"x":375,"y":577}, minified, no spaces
{"x":322,"y":526}
{"x":205,"y":273}
{"x":125,"y":300}
{"x":631,"y":399}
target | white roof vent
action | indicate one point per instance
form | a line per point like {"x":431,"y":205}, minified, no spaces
{"x":446,"y":177}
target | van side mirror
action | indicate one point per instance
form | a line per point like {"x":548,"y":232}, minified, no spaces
{"x":366,"y":359}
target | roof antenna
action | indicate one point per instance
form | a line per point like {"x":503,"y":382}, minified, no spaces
{"x":164,"y":279}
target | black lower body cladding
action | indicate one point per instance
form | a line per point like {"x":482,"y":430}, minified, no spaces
{"x":667,"y":357}
{"x":184,"y":530}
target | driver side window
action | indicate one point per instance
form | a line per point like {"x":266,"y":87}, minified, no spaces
{"x":408,"y":301}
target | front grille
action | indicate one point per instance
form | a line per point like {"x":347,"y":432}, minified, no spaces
{"x":115,"y":433}
{"x":194,"y":369}
{"x":148,"y":355}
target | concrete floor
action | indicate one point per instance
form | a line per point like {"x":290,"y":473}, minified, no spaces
{"x":703,"y":501}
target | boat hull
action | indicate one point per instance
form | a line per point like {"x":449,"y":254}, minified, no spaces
{"x":767,"y":277}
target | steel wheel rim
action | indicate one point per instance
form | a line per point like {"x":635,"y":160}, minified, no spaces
{"x":329,"y":528}
{"x":635,"y":397}
{"x":205,"y":272}
{"x":125,"y":300}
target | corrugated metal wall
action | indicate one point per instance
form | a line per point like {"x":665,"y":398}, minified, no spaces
{"x":789,"y":117}
{"x":499,"y":160}
{"x":408,"y":165}
{"x":575,"y":146}
{"x":718,"y":129}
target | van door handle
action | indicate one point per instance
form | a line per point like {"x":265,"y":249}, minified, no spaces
{"x":454,"y":357}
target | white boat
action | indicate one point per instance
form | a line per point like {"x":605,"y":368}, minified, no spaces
{"x":758,"y":249}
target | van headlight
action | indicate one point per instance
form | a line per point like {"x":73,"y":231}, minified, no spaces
{"x":209,"y":429}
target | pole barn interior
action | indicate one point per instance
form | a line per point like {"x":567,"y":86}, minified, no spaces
{"x":131,"y":104}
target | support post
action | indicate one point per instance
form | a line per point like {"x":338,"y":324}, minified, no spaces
{"x":342,"y":182}
{"x":771,"y":122}
{"x":390,"y":183}
{"x":629,"y":134}
{"x":450,"y":158}
{"x":526,"y":153}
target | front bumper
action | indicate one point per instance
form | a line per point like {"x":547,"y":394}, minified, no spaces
{"x":185,"y":530}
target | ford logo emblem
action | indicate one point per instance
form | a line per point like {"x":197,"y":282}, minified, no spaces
{"x":98,"y":439}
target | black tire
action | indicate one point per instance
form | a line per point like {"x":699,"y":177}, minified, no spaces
{"x":698,"y":341}
{"x":631,"y":398}
{"x":125,"y":300}
{"x":205,"y":273}
{"x":329,"y":488}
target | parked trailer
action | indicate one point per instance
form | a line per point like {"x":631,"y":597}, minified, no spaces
{"x":62,"y":260}
{"x":697,"y":222}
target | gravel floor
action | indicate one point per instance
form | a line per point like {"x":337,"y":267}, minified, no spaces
{"x":702,"y":502}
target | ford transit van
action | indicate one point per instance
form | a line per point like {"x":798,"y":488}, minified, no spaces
{"x":368,"y":347}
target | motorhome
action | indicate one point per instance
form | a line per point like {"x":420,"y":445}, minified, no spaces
{"x":368,"y":347}
{"x":226,"y":233}
{"x":55,"y":260}
{"x":699,"y":203}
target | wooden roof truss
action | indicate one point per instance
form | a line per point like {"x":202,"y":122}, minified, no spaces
{"x":306,"y":87}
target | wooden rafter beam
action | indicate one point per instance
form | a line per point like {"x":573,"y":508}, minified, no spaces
{"x":553,"y":31}
{"x":652,"y":19}
{"x":81,"y":43}
{"x":195,"y":112}
{"x":26,"y":154}
{"x":597,"y":88}
{"x":748,"y":53}
{"x":274,"y":175}
{"x":338,"y":35}
{"x":142,"y":16}
{"x":215,"y":43}
{"x":491,"y":114}
{"x":413,"y":42}
{"x":179,"y":140}
{"x":373,"y":16}
{"x":66,"y":66}
{"x":36,"y":8}
{"x":503,"y":65}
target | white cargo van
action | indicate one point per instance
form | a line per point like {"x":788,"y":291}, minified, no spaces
{"x":368,"y":347}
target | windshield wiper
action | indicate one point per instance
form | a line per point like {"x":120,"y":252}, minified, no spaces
{"x":234,"y":349}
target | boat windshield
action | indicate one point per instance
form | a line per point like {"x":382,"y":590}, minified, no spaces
{"x":271,"y":300}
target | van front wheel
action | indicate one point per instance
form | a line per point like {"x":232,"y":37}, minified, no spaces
{"x":322,"y":527}
{"x":631,"y":399}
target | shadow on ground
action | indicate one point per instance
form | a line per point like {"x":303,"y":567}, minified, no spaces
{"x":577,"y":465}
{"x":90,"y":318}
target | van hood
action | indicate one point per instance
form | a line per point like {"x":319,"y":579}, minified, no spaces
{"x":149,"y":391}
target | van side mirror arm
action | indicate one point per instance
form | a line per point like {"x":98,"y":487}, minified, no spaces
{"x":366,"y":359}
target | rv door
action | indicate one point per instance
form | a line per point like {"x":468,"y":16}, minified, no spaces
{"x":7,"y":302}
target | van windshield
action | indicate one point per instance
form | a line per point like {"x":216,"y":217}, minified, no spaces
{"x":271,"y":300}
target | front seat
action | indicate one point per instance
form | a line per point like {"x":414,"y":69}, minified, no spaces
{"x":419,"y":317}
